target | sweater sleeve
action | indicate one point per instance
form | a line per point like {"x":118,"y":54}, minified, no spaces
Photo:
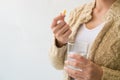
{"x":109,"y":74}
{"x":57,"y":56}
{"x":112,"y":74}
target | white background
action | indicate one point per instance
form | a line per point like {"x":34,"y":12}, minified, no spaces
{"x":25,"y":38}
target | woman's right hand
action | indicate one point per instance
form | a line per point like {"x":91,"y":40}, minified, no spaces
{"x":61,"y":30}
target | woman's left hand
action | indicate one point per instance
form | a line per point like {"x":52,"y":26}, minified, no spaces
{"x":90,"y":71}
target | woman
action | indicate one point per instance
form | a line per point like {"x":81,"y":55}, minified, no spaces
{"x":102,"y":19}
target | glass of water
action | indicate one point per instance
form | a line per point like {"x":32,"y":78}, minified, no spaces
{"x":80,"y":47}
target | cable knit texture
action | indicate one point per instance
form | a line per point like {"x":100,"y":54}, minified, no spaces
{"x":105,"y":50}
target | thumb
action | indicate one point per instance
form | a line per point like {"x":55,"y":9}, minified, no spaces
{"x":62,"y":18}
{"x":58,"y":19}
{"x":62,"y":15}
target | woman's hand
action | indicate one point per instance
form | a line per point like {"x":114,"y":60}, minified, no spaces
{"x":90,"y":71}
{"x":61,"y":30}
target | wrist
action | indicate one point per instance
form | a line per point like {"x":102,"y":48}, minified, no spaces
{"x":59,"y":44}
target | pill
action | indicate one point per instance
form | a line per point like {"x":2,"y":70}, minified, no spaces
{"x":64,"y":12}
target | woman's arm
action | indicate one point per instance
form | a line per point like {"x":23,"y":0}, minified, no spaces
{"x":57,"y":54}
{"x":110,"y":74}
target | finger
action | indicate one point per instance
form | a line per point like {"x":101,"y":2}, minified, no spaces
{"x":67,"y":33}
{"x":61,"y":33}
{"x":56,"y":19}
{"x":58,"y":27}
{"x":75,"y":64}
{"x":74,"y":78}
{"x":64,"y":29}
{"x":74,"y":73}
{"x":79,"y":58}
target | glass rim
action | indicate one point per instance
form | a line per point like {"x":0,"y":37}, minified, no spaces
{"x":70,"y":43}
{"x":81,"y":41}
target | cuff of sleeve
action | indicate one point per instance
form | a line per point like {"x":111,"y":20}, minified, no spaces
{"x":58,"y":51}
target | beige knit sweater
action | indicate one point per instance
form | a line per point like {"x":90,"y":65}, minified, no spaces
{"x":105,"y":50}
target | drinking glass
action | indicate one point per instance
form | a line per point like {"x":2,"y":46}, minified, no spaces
{"x":80,"y":47}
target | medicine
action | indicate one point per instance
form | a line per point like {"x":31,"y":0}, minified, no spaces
{"x":64,"y":12}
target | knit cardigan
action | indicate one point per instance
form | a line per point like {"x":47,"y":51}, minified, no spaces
{"x":105,"y":50}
